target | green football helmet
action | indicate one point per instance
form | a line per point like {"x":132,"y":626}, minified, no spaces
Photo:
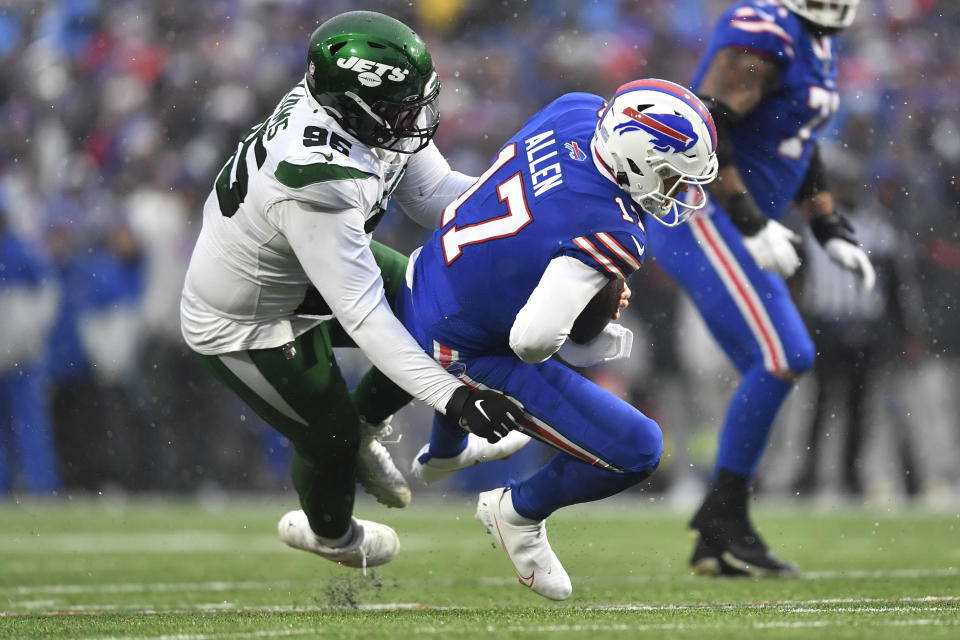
{"x":375,"y":76}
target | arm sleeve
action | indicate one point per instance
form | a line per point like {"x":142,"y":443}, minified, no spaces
{"x":428,"y":186}
{"x":544,"y":322}
{"x":334,"y":253}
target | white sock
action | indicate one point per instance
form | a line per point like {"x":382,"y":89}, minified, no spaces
{"x":336,"y":543}
{"x":510,"y":514}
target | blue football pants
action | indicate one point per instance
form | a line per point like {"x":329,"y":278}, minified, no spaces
{"x":751,"y":315}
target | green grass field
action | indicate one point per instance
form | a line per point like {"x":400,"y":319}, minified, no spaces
{"x":191,"y":571}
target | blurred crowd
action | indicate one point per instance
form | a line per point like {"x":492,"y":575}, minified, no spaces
{"x":115,"y":117}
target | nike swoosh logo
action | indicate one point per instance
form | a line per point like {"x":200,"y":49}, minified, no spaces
{"x":528,"y":581}
{"x":480,"y":409}
{"x":329,"y":158}
{"x":639,"y":248}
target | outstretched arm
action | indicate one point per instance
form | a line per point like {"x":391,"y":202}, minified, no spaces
{"x":335,"y":255}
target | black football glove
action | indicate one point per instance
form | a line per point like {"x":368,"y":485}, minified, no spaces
{"x":484,"y":412}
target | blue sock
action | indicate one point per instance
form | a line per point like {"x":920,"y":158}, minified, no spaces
{"x":750,"y":417}
{"x":446,"y":439}
{"x":565,"y":481}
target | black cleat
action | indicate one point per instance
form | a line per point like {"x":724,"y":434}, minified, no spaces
{"x":707,"y":562}
{"x":734,"y":542}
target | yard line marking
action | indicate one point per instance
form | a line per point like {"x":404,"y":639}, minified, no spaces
{"x":782,"y":606}
{"x":247,"y":585}
{"x":313,"y":631}
{"x":860,"y":609}
{"x":183,"y":541}
{"x":146,"y":610}
{"x":681,"y":626}
{"x":883,"y":573}
{"x":162,"y":587}
{"x":785,"y":604}
{"x":174,"y":542}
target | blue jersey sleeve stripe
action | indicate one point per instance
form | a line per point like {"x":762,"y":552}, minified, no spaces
{"x":605,"y":262}
{"x":619,"y":251}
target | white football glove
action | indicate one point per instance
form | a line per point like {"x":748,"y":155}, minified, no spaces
{"x":774,"y":248}
{"x":614,"y":343}
{"x":852,"y":257}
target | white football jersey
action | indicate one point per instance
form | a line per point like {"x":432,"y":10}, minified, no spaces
{"x":245,"y":286}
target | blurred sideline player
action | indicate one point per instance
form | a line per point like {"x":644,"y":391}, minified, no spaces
{"x":768,"y":77}
{"x":557,"y":217}
{"x":284,"y":270}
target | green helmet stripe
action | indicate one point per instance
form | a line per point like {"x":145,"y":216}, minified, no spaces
{"x":297,"y":176}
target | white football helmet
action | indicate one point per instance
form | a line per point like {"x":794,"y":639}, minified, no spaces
{"x":656,"y":140}
{"x":833,"y":14}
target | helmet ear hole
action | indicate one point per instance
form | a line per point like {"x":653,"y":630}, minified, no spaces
{"x":633,"y":167}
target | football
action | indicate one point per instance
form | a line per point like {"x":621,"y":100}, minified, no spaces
{"x":598,"y":312}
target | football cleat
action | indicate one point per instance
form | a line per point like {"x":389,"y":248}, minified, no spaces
{"x":707,"y":562}
{"x":376,"y":472}
{"x":429,"y":468}
{"x":732,"y":541}
{"x":526,"y":546}
{"x":373,"y":544}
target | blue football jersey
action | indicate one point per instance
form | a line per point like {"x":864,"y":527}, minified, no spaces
{"x":773,"y":144}
{"x":542,"y":197}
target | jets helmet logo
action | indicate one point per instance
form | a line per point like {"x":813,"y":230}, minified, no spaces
{"x":669,"y":132}
{"x":370,"y":73}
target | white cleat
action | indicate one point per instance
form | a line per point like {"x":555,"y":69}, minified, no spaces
{"x":429,"y":468}
{"x":527,"y":547}
{"x":376,"y":472}
{"x":373,"y":543}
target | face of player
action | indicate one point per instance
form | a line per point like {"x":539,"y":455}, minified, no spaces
{"x":672,"y":185}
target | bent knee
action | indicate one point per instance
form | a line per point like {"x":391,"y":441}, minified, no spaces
{"x":800,"y":359}
{"x":642,"y":447}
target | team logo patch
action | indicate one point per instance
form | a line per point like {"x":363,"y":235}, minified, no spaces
{"x":669,"y":132}
{"x":575,"y":152}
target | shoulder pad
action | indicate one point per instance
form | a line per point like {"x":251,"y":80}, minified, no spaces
{"x":760,"y":26}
